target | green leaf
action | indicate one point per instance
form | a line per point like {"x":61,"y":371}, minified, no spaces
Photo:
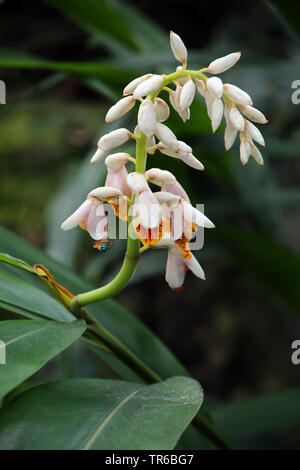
{"x":260,"y":414}
{"x":275,"y":266}
{"x":25,"y":296}
{"x":117,"y":319}
{"x":94,"y":414}
{"x":30,"y":344}
{"x":4,"y":258}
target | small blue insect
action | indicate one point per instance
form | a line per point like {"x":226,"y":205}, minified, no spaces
{"x":105,"y":246}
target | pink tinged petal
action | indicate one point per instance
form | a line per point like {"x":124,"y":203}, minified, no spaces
{"x":96,"y":222}
{"x":134,"y":83}
{"x":191,"y":214}
{"x":237,"y":119}
{"x":176,"y":188}
{"x":194,"y":266}
{"x":147,"y":118}
{"x":224,"y":63}
{"x":99,"y":155}
{"x":117,"y":179}
{"x":148,"y":86}
{"x":230,"y":135}
{"x":192,"y":161}
{"x":120,"y":108}
{"x":178,"y":47}
{"x":175,"y":270}
{"x":166,"y":136}
{"x":148,"y":209}
{"x":236,"y":94}
{"x":215,"y":86}
{"x":187,"y":94}
{"x":177,"y":221}
{"x":254,"y":133}
{"x":78,"y":216}
{"x":216,"y":114}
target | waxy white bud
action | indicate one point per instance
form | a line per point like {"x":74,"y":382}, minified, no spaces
{"x":161,"y":109}
{"x":200,"y":87}
{"x":148,"y":86}
{"x":113,"y":139}
{"x":230,"y":135}
{"x":194,"y":215}
{"x":134,"y":83}
{"x":137,"y":182}
{"x":215,"y":86}
{"x":165,"y":197}
{"x":244,"y":150}
{"x":216,"y":114}
{"x":178,"y":47}
{"x":224,"y":63}
{"x":236,"y":94}
{"x":116,"y":161}
{"x":120,"y":108}
{"x":192,"y":161}
{"x":105,"y":193}
{"x":147,"y":117}
{"x":209,"y":99}
{"x":99,"y":155}
{"x":166,"y":136}
{"x":254,"y":114}
{"x":237,"y":119}
{"x":256,"y":154}
{"x":254,"y":133}
{"x":187,"y":94}
{"x":160,"y":177}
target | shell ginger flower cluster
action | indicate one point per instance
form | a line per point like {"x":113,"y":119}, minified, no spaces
{"x":164,"y":218}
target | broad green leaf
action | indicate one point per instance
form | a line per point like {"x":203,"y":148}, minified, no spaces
{"x":17,"y":292}
{"x":117,"y":319}
{"x":4,"y":258}
{"x":259,"y":414}
{"x":275,"y":266}
{"x":29,"y":344}
{"x":94,"y":414}
{"x":110,"y":74}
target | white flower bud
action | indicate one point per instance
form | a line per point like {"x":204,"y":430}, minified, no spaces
{"x":254,"y":114}
{"x":215,"y":86}
{"x":236,"y":94}
{"x":224,"y":63}
{"x":104,"y":193}
{"x":99,"y":155}
{"x":137,"y":182}
{"x":187,"y":94}
{"x":256,"y":154}
{"x":209,"y":99}
{"x":230,"y":135}
{"x":192,"y":161}
{"x":134,"y":83}
{"x":147,"y":117}
{"x":237,"y":119}
{"x":178,"y":47}
{"x":254,"y":133}
{"x":158,"y":176}
{"x":216,"y":114}
{"x":244,"y":150}
{"x":201,"y":87}
{"x":113,"y":139}
{"x":116,"y":161}
{"x":161,"y":109}
{"x":120,"y":108}
{"x":166,"y":136}
{"x":165,"y":197}
{"x":148,"y":86}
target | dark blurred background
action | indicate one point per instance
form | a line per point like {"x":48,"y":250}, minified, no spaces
{"x":234,"y":331}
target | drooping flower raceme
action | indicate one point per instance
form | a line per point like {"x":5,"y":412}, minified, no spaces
{"x":165,"y":218}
